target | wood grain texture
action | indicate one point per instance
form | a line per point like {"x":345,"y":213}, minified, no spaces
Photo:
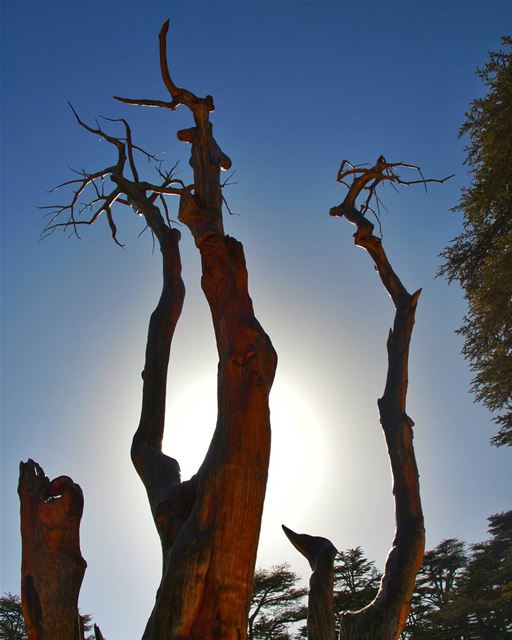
{"x":52,"y":566}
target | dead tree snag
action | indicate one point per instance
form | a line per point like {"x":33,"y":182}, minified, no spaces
{"x":384,"y":618}
{"x":208,"y":525}
{"x":211,"y":524}
{"x":52,"y":567}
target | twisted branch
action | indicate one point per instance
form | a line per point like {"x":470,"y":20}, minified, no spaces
{"x":368,"y":179}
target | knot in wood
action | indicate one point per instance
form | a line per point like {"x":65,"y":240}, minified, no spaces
{"x":187,"y":135}
{"x":241,"y":358}
{"x":209,"y":103}
{"x":336,"y":211}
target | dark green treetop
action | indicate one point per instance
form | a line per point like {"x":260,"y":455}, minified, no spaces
{"x":276,"y":602}
{"x":480,"y":258}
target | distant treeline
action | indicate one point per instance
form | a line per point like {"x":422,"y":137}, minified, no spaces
{"x":463,"y":592}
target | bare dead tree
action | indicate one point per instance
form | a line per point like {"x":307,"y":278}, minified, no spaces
{"x":208,"y":525}
{"x":384,"y":618}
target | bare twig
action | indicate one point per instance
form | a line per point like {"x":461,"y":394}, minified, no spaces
{"x":146,"y":227}
{"x":111,"y":139}
{"x":129,"y":144}
{"x":231,"y":213}
{"x":133,"y":193}
{"x":227,"y":182}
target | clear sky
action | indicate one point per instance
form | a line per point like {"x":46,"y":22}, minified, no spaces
{"x":298,"y":87}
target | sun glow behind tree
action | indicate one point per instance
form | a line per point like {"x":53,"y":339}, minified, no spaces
{"x":77,"y":312}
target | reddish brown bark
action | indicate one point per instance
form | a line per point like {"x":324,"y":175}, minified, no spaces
{"x":385,"y":617}
{"x":52,"y":565}
{"x":209,"y":526}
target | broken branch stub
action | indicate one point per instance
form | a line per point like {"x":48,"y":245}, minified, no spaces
{"x":52,"y":564}
{"x":320,"y":553}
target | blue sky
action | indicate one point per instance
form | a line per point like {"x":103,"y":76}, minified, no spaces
{"x":298,"y":87}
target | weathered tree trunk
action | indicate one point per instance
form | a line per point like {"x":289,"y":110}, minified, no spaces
{"x":209,"y":525}
{"x":385,"y":617}
{"x":52,"y":566}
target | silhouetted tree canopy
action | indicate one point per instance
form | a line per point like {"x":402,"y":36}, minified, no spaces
{"x":276,"y":602}
{"x":356,"y":581}
{"x":435,"y":587}
{"x":462,"y":593}
{"x":480,"y":258}
{"x":468,"y":596}
{"x":12,"y":625}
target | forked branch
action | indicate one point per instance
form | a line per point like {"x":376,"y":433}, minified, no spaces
{"x":366,"y":180}
{"x":207,"y":157}
{"x":128,"y":191}
{"x":178,"y":94}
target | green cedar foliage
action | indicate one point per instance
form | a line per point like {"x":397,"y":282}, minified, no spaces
{"x":12,"y":625}
{"x":483,"y":601}
{"x":435,"y":589}
{"x":466,"y":598}
{"x":276,"y":603}
{"x":480,"y":258}
{"x":356,"y":580}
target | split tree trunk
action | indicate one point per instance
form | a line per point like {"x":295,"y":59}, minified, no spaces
{"x":52,"y":566}
{"x":209,"y":525}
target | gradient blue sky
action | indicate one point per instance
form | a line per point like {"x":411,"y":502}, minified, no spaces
{"x":298,"y":86}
